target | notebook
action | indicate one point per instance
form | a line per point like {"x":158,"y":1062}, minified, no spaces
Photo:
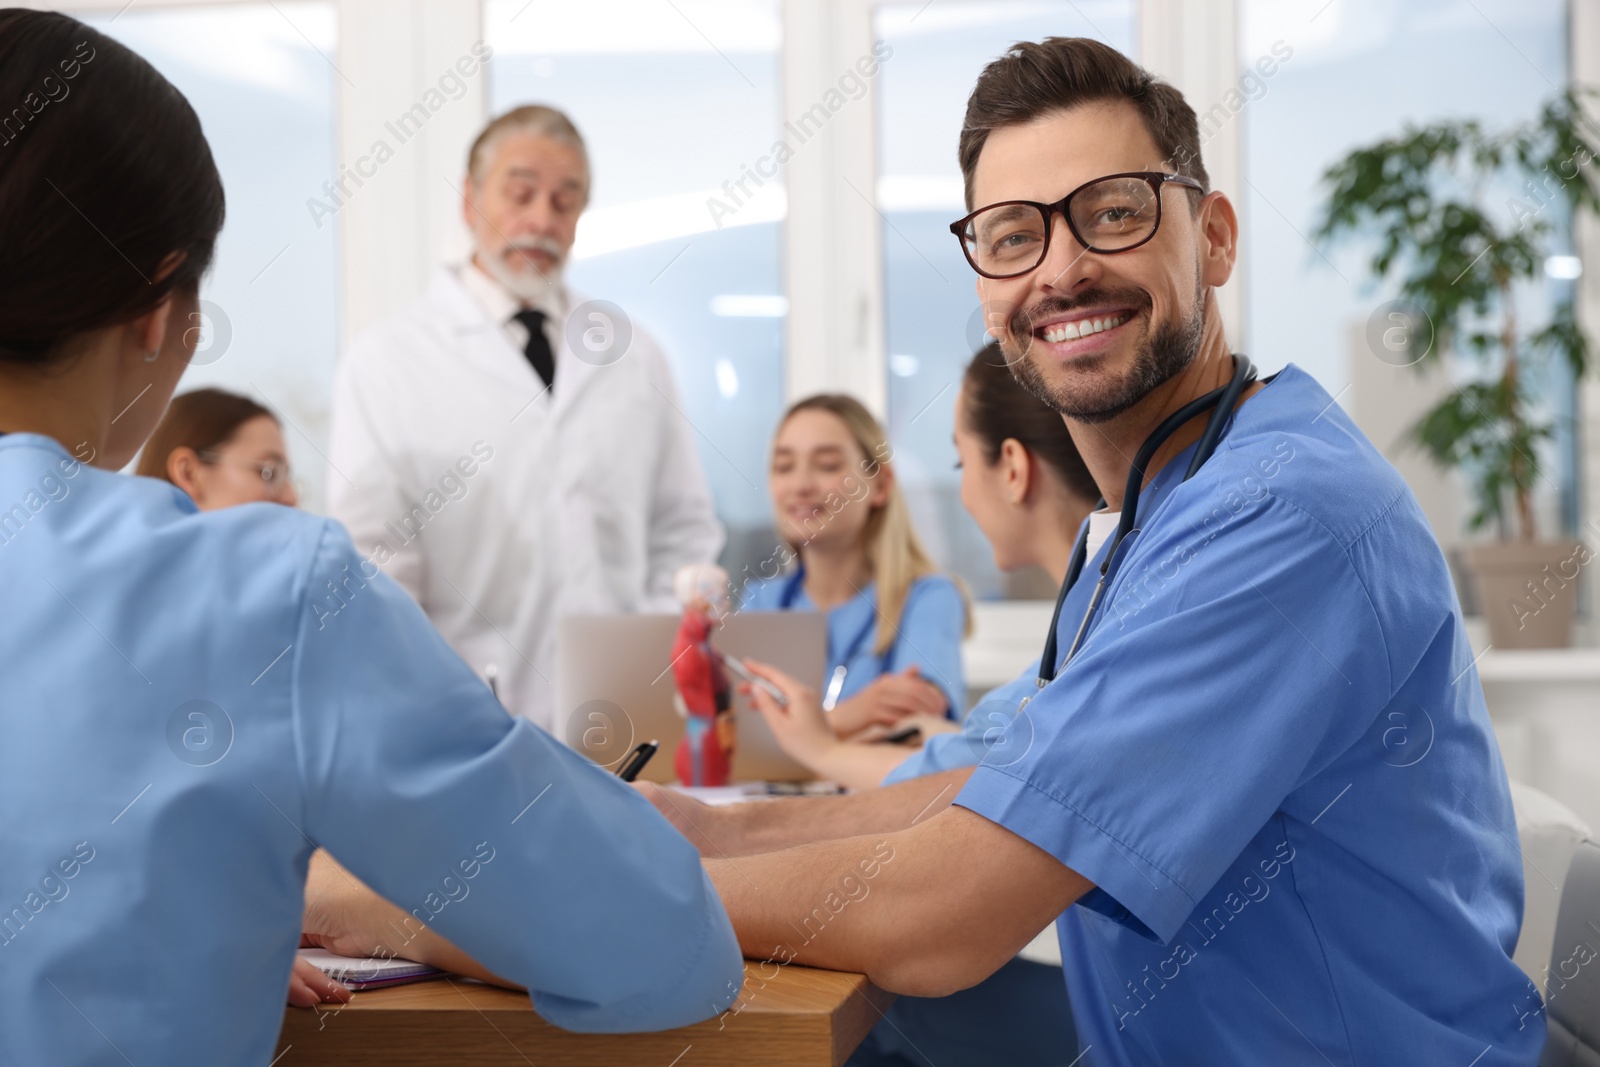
{"x":368,"y":973}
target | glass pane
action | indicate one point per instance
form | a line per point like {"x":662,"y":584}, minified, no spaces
{"x":261,"y":78}
{"x":932,"y":301}
{"x":1360,"y":71}
{"x":676,"y":102}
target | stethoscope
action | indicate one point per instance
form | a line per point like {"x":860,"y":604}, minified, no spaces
{"x":830,"y":696}
{"x":1220,"y":402}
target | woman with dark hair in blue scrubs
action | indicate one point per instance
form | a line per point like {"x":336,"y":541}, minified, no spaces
{"x":895,"y":623}
{"x":194,"y":701}
{"x":1026,"y":486}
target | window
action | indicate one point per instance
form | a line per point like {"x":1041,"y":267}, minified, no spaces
{"x":261,"y":78}
{"x":676,"y":102}
{"x":932,"y":315}
{"x":1359,"y":71}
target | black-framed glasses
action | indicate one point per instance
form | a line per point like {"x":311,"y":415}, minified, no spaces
{"x":1116,"y":213}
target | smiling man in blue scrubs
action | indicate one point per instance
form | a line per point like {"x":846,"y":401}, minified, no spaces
{"x":1262,"y":795}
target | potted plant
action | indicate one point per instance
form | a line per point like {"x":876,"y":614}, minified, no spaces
{"x":1426,"y":197}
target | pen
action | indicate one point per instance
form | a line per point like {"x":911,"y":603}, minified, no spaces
{"x":637,"y":759}
{"x":744,"y":673}
{"x":491,"y":674}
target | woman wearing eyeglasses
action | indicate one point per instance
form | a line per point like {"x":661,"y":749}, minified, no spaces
{"x":222,"y":449}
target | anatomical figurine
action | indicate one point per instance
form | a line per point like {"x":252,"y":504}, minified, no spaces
{"x":704,"y":697}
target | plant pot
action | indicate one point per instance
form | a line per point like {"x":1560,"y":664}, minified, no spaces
{"x":1527,"y":590}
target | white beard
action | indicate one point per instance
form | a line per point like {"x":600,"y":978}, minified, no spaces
{"x":528,"y":285}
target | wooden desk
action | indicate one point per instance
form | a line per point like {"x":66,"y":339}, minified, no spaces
{"x":799,"y":1017}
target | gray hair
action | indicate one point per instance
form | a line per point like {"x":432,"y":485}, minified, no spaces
{"x":529,"y":118}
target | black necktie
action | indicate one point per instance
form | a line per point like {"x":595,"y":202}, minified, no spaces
{"x":538,"y":347}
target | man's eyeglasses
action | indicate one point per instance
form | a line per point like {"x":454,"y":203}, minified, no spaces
{"x":275,"y":476}
{"x":1116,"y":213}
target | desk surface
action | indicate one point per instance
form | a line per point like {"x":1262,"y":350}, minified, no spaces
{"x":797,"y":1015}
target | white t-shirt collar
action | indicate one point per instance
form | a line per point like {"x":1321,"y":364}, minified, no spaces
{"x":1102,"y":524}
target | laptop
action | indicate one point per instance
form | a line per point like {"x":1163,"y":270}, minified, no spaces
{"x":614,"y":687}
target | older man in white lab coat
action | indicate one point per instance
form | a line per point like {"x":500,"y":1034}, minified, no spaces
{"x":507,"y":451}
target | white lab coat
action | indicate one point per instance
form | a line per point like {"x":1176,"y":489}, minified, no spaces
{"x":501,"y":509}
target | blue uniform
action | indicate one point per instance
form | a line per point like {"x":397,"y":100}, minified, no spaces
{"x":929,"y":635}
{"x":1019,"y":1014}
{"x":983,"y":728}
{"x":193,"y":702}
{"x":1272,"y":758}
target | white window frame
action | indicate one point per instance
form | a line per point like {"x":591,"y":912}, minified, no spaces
{"x":394,"y":235}
{"x":1583,"y":36}
{"x":833,"y":248}
{"x":391,"y":51}
{"x":394,"y":52}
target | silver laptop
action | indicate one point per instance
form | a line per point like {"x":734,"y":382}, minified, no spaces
{"x":614,"y":686}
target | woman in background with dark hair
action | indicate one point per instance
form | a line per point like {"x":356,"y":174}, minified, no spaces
{"x":222,"y":449}
{"x":1025,"y":485}
{"x":193,"y":700}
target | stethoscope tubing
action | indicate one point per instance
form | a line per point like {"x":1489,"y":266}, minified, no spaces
{"x":1221,"y":403}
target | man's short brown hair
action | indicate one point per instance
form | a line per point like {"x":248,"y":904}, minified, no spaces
{"x":1058,"y":73}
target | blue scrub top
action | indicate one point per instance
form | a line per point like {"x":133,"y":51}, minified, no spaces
{"x":932,"y":625}
{"x":983,"y":729}
{"x":1272,"y":758}
{"x":195,"y":701}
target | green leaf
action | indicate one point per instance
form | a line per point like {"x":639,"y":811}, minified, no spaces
{"x":1417,"y":202}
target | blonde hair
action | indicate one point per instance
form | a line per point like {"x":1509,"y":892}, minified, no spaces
{"x":529,"y":118}
{"x":895,"y":556}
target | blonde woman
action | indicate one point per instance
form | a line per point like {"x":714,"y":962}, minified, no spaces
{"x":895,"y":623}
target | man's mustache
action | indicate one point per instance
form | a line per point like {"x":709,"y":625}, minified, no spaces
{"x":548,"y":245}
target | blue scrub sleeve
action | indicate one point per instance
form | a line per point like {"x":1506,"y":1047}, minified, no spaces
{"x":544,"y":867}
{"x":1220,"y":674}
{"x":932,"y":626}
{"x":983,"y":729}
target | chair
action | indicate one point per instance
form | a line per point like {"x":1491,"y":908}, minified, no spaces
{"x":1549,"y":834}
{"x":1572,"y":1002}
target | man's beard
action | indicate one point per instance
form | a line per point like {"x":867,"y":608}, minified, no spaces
{"x":1170,"y":347}
{"x":528,"y":284}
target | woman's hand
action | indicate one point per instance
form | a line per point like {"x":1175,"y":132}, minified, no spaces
{"x":806,"y":733}
{"x":308,"y":987}
{"x":802,"y":728}
{"x":886,"y":700}
{"x":925,"y":725}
